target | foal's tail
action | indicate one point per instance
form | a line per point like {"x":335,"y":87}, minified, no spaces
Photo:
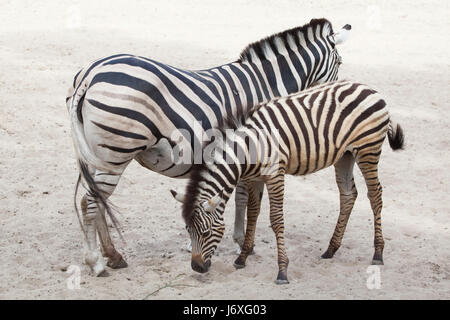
{"x":395,"y":136}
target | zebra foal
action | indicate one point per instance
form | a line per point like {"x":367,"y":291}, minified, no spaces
{"x":126,"y":107}
{"x":338,"y":124}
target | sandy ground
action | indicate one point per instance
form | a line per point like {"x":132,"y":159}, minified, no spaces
{"x":402,"y":49}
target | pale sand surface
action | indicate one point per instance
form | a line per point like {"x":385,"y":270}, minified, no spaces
{"x":402,"y":49}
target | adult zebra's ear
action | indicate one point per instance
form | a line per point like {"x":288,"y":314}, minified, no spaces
{"x":178,"y":196}
{"x":212,"y":203}
{"x":342,"y":35}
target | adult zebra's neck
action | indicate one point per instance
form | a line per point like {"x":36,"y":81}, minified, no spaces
{"x":279,"y":65}
{"x":243,"y":85}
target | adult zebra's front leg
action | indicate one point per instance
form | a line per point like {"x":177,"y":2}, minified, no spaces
{"x":94,"y":221}
{"x":241,"y":200}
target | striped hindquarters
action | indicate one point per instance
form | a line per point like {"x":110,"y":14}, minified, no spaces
{"x":317,"y":126}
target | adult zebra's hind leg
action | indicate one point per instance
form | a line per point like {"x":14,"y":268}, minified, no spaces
{"x":368,"y":163}
{"x":107,"y":183}
{"x":347,"y":196}
{"x":92,"y":257}
{"x":94,"y":221}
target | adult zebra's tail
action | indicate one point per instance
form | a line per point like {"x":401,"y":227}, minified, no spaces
{"x":86,"y":157}
{"x":395,"y":136}
{"x":84,"y":152}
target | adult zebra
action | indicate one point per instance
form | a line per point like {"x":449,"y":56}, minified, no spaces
{"x":127,"y":107}
{"x":337,"y":123}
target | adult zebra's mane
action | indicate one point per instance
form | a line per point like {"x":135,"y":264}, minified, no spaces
{"x":256,"y":49}
{"x":252,"y":51}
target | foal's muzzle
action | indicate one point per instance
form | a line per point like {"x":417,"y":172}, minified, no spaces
{"x":198,"y":265}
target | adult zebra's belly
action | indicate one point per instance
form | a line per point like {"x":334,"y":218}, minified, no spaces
{"x":160,"y":158}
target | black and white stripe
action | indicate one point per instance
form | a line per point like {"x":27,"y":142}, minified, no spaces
{"x":126,"y":107}
{"x":337,"y":123}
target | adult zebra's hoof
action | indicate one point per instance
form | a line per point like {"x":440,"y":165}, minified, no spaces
{"x":377,"y":262}
{"x":119,"y":264}
{"x":103,"y":273}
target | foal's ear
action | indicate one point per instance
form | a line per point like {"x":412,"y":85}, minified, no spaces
{"x":342,"y":35}
{"x":211,"y":204}
{"x":178,"y":196}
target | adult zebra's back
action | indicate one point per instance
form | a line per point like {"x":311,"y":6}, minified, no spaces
{"x":127,"y":107}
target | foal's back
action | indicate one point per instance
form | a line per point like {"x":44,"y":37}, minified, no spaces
{"x":318,"y":125}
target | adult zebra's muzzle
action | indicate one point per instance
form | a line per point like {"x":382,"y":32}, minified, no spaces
{"x":199,"y":265}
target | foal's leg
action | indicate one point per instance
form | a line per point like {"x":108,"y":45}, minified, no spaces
{"x":368,"y":163}
{"x":241,"y":199}
{"x":275,"y":188}
{"x":255,"y":191}
{"x":107,"y":183}
{"x":347,"y":195}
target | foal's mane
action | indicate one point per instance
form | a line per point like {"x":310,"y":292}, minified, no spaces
{"x":192,"y":191}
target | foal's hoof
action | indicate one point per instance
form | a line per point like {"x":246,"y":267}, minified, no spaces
{"x":119,"y":264}
{"x":377,"y":262}
{"x":329,"y":253}
{"x":377,"y":259}
{"x":282,"y":278}
{"x":281,"y":281}
{"x":239,"y":264}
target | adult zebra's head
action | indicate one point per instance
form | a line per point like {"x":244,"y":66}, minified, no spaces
{"x":333,"y":60}
{"x":204,"y":222}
